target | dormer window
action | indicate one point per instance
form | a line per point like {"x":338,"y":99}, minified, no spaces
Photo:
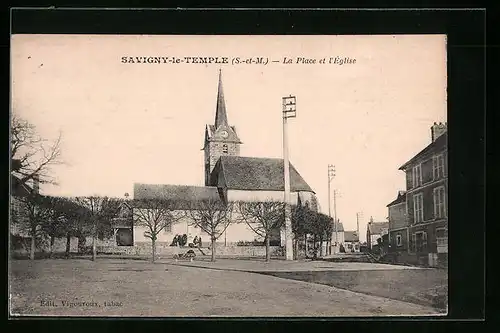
{"x":224,"y":149}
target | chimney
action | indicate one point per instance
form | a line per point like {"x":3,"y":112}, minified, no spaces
{"x":36,"y":184}
{"x":437,"y":130}
{"x":400,"y":193}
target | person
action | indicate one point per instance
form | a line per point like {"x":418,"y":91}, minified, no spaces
{"x":195,"y":241}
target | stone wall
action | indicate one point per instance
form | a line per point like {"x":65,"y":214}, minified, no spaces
{"x":164,"y":248}
{"x":246,"y":251}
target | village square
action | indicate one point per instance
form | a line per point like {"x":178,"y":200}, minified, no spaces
{"x":254,"y":239}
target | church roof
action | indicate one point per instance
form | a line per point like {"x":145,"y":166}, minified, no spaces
{"x":254,"y":173}
{"x":179,"y":193}
{"x":221,"y":124}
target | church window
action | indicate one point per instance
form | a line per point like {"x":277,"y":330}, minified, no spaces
{"x":224,"y":148}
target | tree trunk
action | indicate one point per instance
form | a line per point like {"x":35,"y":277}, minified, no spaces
{"x":213,"y":249}
{"x":153,"y":249}
{"x":52,"y":241}
{"x":268,"y":249}
{"x":321,"y":246}
{"x":305,"y":246}
{"x":94,"y":240}
{"x":94,"y":248}
{"x":295,"y":248}
{"x":33,"y":244}
{"x":314,"y":247}
{"x":68,"y":244}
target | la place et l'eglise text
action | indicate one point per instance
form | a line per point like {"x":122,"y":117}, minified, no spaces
{"x":175,"y":60}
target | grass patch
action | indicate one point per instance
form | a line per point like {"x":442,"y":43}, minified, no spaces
{"x":428,"y":287}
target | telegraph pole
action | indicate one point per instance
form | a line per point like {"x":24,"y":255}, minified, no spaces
{"x":289,"y":111}
{"x":335,"y":213}
{"x":331,"y":175}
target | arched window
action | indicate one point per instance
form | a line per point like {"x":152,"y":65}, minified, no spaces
{"x":224,"y":148}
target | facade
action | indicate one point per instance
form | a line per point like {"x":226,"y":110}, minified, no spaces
{"x":427,"y":201}
{"x":374,"y":231}
{"x":18,"y":192}
{"x":229,"y":177}
{"x":398,"y":224}
{"x":351,"y":241}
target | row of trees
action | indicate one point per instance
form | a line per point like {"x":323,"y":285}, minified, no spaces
{"x":214,"y":217}
{"x":45,"y":217}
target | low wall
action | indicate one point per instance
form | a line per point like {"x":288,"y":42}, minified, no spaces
{"x":439,"y":260}
{"x":246,"y":251}
{"x":164,"y":248}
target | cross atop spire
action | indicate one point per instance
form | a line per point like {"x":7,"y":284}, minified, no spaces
{"x":220,"y":113}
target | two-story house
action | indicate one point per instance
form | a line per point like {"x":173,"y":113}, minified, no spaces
{"x":374,"y":231}
{"x":398,"y":224}
{"x":426,"y":199}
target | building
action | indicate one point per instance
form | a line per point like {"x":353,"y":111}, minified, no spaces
{"x":229,"y":177}
{"x":374,"y":231}
{"x":351,"y":241}
{"x":426,"y":200}
{"x":398,"y":224}
{"x":18,"y":194}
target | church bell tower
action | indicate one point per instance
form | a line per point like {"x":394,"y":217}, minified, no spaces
{"x":220,"y":138}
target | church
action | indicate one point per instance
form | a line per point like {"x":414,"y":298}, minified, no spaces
{"x":228,"y":177}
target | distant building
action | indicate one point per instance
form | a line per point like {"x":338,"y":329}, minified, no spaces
{"x":398,"y":224}
{"x":427,"y":200}
{"x":18,"y":193}
{"x":351,"y":241}
{"x":374,"y":231}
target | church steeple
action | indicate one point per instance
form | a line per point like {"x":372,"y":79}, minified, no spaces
{"x":221,"y":138}
{"x":220,"y":113}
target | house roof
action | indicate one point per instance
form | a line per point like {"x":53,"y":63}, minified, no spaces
{"x":400,"y":199}
{"x":19,"y":189}
{"x":351,"y":236}
{"x":181,"y":195}
{"x":439,"y":143}
{"x":254,"y":173}
{"x":375,"y":228}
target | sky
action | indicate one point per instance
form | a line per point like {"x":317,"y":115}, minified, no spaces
{"x":123,"y":123}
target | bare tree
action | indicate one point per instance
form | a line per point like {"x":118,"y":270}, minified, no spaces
{"x":31,"y":217}
{"x":30,"y":154}
{"x":99,"y":214}
{"x":213,"y":216}
{"x":155,"y":215}
{"x":263,"y":218}
{"x":55,"y":224}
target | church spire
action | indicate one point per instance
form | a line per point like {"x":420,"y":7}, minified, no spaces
{"x":220,"y":113}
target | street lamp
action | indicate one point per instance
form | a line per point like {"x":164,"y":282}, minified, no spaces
{"x":289,"y":111}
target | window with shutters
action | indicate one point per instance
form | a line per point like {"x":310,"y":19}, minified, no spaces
{"x":418,"y":207}
{"x":421,"y":241}
{"x":439,"y":202}
{"x":438,"y":166}
{"x":417,"y":176}
{"x":224,"y":149}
